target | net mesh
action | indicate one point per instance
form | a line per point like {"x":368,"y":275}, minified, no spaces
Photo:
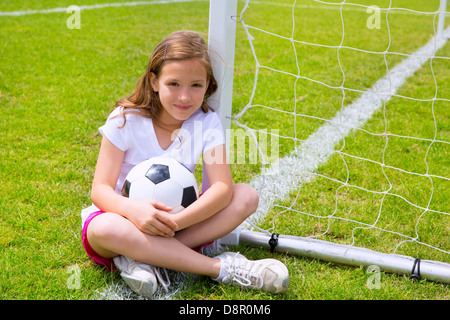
{"x":348,"y":107}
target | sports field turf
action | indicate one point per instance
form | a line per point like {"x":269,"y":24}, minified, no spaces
{"x":57,"y":85}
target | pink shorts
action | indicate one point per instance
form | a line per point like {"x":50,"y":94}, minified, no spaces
{"x":108,"y":262}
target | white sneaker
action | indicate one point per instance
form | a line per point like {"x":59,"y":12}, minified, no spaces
{"x":140,"y":277}
{"x":267,"y":274}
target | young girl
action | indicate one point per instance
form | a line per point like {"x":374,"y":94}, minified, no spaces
{"x":167,"y":115}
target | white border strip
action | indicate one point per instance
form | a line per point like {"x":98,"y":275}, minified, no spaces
{"x":92,"y":7}
{"x":299,"y":165}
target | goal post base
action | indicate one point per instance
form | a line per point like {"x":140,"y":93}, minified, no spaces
{"x":349,"y":255}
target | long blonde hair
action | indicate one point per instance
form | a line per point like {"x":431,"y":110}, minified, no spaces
{"x":180,"y":45}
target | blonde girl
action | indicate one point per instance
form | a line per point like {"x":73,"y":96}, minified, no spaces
{"x":167,"y":115}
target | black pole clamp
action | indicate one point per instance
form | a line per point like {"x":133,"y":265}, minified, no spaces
{"x":273,"y":242}
{"x":415,"y":272}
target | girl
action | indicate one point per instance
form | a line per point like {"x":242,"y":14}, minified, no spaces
{"x":167,"y":115}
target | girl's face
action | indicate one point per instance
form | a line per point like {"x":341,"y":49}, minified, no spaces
{"x":181,"y":86}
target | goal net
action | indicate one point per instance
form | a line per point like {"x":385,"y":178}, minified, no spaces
{"x":348,"y":107}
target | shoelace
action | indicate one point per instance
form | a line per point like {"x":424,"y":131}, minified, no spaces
{"x":165,"y":283}
{"x":240,"y":274}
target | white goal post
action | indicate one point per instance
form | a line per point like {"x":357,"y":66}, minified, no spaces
{"x":221,"y":37}
{"x":222,"y":31}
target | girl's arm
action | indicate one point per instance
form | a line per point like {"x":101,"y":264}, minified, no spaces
{"x":217,"y":197}
{"x":148,"y":216}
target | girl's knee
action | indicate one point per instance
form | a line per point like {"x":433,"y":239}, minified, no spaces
{"x":246,"y":197}
{"x":104,"y":227}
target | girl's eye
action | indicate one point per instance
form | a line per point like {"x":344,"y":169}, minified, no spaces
{"x":173,"y":84}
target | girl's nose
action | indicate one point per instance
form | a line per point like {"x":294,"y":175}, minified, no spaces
{"x":184,"y":95}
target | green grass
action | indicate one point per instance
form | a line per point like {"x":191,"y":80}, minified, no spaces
{"x":57,"y":86}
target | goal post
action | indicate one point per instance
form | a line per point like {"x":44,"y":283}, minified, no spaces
{"x":349,"y":255}
{"x":221,"y":38}
{"x":222,"y":32}
{"x":221,"y":45}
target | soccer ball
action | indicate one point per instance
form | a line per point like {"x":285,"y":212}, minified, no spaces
{"x":163,"y":179}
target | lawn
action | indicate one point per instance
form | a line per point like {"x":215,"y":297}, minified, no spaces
{"x":57,"y":85}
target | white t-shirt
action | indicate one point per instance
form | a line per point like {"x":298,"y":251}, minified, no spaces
{"x":198,"y":134}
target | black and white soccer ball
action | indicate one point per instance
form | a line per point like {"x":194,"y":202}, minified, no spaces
{"x":163,"y":179}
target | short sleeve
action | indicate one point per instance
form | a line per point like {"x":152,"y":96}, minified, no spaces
{"x":114,"y":130}
{"x":213,"y":134}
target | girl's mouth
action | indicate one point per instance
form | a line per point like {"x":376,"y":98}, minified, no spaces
{"x":182,"y":107}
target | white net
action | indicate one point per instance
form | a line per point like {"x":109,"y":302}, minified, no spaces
{"x":355,"y":101}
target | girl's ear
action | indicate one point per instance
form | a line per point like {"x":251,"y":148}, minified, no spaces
{"x":154,"y":82}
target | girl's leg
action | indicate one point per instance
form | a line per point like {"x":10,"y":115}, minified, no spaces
{"x":110,"y":235}
{"x":243,"y":203}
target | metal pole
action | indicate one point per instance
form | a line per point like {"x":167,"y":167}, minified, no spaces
{"x":221,"y":43}
{"x":349,"y":255}
{"x":222,"y":35}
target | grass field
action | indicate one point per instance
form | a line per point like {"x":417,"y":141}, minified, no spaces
{"x":57,"y":86}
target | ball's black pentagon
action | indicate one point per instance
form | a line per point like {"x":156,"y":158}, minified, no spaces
{"x":126,"y":188}
{"x":189,"y":196}
{"x":158,"y":173}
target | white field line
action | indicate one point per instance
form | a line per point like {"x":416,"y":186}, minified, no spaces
{"x":298,"y":167}
{"x":92,"y":7}
{"x":328,"y":6}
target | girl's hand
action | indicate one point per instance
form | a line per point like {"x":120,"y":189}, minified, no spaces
{"x":153,"y":218}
